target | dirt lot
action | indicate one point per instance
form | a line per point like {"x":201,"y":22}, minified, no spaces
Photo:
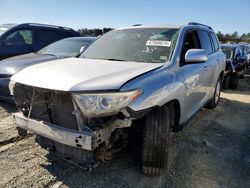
{"x":213,"y":150}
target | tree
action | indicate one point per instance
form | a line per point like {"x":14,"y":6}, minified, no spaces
{"x":105,"y":30}
{"x":221,"y":37}
{"x":93,"y":32}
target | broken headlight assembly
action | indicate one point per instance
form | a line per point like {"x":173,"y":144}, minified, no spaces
{"x":104,"y":104}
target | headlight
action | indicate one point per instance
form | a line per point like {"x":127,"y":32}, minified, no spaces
{"x":104,"y":104}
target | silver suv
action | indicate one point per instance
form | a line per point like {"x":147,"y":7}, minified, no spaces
{"x":148,"y":79}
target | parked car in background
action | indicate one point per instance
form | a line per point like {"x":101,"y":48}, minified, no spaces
{"x":232,"y":70}
{"x":30,"y":37}
{"x":145,"y":80}
{"x":69,"y":47}
{"x":238,"y":58}
{"x":246,"y":50}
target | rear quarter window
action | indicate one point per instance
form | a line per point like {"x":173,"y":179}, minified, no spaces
{"x":205,"y":41}
{"x":46,"y":37}
{"x":215,"y":42}
{"x":63,"y":34}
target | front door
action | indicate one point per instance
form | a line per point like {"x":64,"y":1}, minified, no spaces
{"x":195,"y":76}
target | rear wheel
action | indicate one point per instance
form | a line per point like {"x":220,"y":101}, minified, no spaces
{"x":216,"y":97}
{"x":155,"y":142}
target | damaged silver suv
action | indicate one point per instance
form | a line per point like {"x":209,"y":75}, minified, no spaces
{"x":149,"y":79}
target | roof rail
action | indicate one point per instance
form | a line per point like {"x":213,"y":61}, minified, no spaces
{"x":137,"y":25}
{"x":47,"y":25}
{"x":199,"y":24}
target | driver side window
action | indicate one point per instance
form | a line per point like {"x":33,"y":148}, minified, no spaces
{"x":191,"y":41}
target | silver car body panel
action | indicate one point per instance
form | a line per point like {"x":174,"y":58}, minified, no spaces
{"x":192,"y":85}
{"x":76,"y":74}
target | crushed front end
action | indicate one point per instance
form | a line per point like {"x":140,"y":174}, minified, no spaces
{"x":61,"y":125}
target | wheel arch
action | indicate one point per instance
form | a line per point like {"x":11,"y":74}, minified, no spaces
{"x":221,"y":75}
{"x":175,"y":104}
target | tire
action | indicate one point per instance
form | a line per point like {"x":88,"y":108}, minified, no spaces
{"x":234,"y":81}
{"x":21,"y":132}
{"x":155,"y":141}
{"x":216,"y":96}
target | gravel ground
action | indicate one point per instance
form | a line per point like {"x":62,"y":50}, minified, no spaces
{"x":213,"y":150}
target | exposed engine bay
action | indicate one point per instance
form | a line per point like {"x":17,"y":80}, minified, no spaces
{"x":56,"y":117}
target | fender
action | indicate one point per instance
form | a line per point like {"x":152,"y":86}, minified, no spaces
{"x":159,"y":87}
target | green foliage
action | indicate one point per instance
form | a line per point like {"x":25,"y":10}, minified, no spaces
{"x":233,"y":38}
{"x":93,"y":32}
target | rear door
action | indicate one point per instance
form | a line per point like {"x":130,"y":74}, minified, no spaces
{"x":210,"y":65}
{"x":216,"y":61}
{"x":46,"y":37}
{"x":17,"y":42}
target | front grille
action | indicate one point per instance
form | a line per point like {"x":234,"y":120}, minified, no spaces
{"x":48,"y":105}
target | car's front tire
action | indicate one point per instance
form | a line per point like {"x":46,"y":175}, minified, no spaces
{"x":156,"y":140}
{"x":216,"y":96}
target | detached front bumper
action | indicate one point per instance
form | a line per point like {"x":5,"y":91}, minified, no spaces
{"x":83,"y":140}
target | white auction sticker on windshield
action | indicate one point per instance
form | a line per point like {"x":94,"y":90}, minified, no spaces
{"x":158,"y":43}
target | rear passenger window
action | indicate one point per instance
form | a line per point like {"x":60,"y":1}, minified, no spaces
{"x":63,"y":35}
{"x":215,"y":41}
{"x":47,"y":37}
{"x":205,"y":42}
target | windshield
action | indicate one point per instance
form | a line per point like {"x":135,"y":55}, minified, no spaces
{"x":228,"y":52}
{"x":149,"y":45}
{"x":66,"y":47}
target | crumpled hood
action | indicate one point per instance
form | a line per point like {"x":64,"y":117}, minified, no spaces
{"x":14,"y":64}
{"x":74,"y":74}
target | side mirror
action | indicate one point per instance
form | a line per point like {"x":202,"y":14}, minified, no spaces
{"x":196,"y":56}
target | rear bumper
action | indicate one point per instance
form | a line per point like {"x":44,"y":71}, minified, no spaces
{"x":83,"y":140}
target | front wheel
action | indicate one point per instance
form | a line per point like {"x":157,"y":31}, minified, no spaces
{"x":216,"y":96}
{"x":155,"y":142}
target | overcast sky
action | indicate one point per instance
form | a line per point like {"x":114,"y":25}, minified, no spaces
{"x":223,"y":15}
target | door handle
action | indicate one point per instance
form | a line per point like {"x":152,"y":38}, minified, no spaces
{"x":205,"y":67}
{"x":218,"y":60}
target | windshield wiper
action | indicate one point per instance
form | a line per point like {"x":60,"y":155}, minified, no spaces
{"x":108,"y":59}
{"x":52,"y":55}
{"x":113,"y":59}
